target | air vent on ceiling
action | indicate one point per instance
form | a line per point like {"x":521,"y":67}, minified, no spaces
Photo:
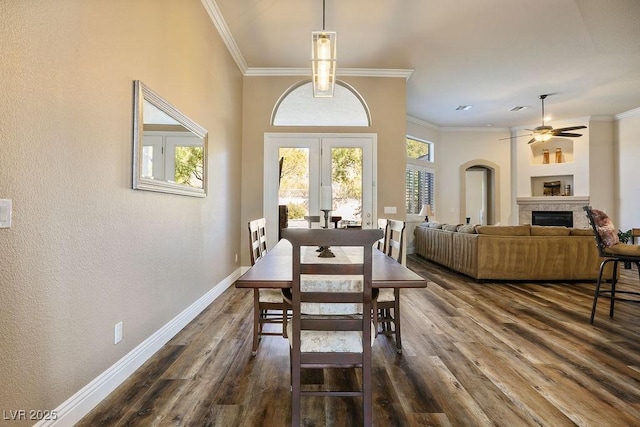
{"x":463,"y":107}
{"x":519,"y":108}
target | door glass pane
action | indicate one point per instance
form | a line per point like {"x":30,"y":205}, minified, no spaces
{"x":346,"y":184}
{"x":294,"y":184}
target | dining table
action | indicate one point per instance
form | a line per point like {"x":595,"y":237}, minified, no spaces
{"x":274,"y":270}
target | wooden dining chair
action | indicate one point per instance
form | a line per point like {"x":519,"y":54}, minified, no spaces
{"x":382,"y":243}
{"x":387,"y":311}
{"x":268,"y":304}
{"x":613,"y":252}
{"x":331,"y":300}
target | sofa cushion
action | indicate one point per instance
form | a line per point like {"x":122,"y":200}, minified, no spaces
{"x":467,"y":228}
{"x":435,"y":225}
{"x":539,"y":230}
{"x":581,"y":232}
{"x":451,"y":227}
{"x":505,"y":230}
{"x":605,"y":228}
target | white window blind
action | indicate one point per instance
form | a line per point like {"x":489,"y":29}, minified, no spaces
{"x":419,"y":188}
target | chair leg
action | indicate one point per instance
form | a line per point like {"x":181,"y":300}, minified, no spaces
{"x":295,"y":392}
{"x":597,"y":292}
{"x":375,"y":313}
{"x":256,"y":321}
{"x":285,"y":319}
{"x":612,"y":301}
{"x":367,"y":391}
{"x":396,"y":320}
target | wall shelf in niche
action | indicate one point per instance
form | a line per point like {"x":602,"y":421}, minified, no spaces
{"x":538,"y":185}
{"x":564,"y":144}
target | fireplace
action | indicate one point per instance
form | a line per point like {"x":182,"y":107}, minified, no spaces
{"x":561,"y":218}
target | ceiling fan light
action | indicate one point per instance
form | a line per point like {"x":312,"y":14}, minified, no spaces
{"x":542,"y":137}
{"x":323,"y":62}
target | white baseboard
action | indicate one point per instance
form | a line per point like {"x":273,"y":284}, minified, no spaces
{"x":81,"y":403}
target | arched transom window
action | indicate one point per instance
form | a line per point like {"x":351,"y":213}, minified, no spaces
{"x":298,"y":107}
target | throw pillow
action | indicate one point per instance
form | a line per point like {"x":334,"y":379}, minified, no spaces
{"x":451,"y":227}
{"x":467,"y":228}
{"x":605,"y":228}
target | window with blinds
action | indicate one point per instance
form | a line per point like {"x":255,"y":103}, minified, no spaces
{"x":419,"y":177}
{"x":419,"y":188}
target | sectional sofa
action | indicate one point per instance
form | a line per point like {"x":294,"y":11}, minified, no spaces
{"x":520,"y":252}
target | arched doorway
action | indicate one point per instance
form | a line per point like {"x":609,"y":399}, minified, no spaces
{"x":480,"y":192}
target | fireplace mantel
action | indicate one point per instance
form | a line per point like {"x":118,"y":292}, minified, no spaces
{"x":526,"y":205}
{"x":553,"y":200}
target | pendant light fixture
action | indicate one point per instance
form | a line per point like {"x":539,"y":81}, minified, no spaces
{"x":323,"y":60}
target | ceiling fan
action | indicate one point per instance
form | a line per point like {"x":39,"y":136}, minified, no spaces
{"x":545,"y":133}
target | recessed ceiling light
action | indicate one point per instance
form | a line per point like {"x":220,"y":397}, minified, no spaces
{"x":519,"y":108}
{"x":463,"y":107}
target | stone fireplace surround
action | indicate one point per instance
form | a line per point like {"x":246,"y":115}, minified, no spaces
{"x":526,"y":205}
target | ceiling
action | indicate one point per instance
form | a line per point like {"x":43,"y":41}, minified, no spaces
{"x":491,"y":54}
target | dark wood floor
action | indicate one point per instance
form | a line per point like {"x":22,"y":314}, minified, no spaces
{"x":475,"y":354}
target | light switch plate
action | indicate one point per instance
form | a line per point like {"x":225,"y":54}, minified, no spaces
{"x":390,"y":209}
{"x":5,"y":213}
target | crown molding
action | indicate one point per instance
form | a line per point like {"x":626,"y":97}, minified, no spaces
{"x":627,"y":114}
{"x":349,"y":72}
{"x":216,"y":17}
{"x":474,"y":129}
{"x":602,"y":118}
{"x":423,"y":123}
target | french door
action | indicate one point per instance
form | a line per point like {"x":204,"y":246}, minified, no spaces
{"x":297,"y":166}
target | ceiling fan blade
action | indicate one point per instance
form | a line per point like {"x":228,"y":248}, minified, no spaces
{"x":512,"y":137}
{"x":569,"y":128}
{"x":531,"y":141}
{"x":570,"y":135}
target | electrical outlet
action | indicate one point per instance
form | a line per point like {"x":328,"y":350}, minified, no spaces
{"x":5,"y":213}
{"x":390,"y":209}
{"x":117,"y":333}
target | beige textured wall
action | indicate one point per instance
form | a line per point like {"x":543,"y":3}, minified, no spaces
{"x":458,"y":147}
{"x":601,"y":166}
{"x":85,"y":251}
{"x":386,"y":98}
{"x":627,"y":176}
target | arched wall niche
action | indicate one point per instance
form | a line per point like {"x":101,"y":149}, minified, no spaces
{"x":298,"y":107}
{"x":492,"y":191}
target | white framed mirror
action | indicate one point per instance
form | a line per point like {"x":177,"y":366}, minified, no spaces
{"x":169,"y":149}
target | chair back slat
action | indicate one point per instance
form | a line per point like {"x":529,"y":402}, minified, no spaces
{"x":348,"y":269}
{"x":395,"y":239}
{"x":326,"y":324}
{"x":331,"y":297}
{"x":257,"y":239}
{"x":382,"y":243}
{"x":592,"y":222}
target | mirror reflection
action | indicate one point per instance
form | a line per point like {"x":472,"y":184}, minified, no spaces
{"x":169,"y":148}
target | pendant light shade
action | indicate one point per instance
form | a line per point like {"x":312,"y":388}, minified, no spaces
{"x":323,"y":60}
